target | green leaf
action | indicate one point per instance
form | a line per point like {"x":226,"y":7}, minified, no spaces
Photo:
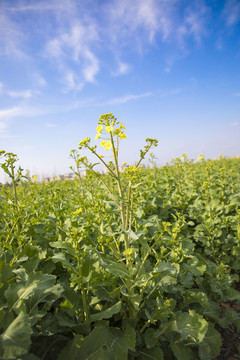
{"x":131,"y":234}
{"x":151,"y":337}
{"x":191,"y":325}
{"x":16,"y":339}
{"x":199,"y":297}
{"x":61,"y":257}
{"x":5,"y":273}
{"x":103,"y":343}
{"x":182,"y":352}
{"x":118,"y":269}
{"x":151,"y":354}
{"x":108,"y":313}
{"x":64,"y":245}
{"x":233,"y":294}
{"x":167,"y":268}
{"x":39,"y":288}
{"x":211,"y":345}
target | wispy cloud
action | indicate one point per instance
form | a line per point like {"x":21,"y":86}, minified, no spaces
{"x":237,"y":94}
{"x":39,"y":80}
{"x":235,"y":123}
{"x":123,"y":69}
{"x":194,"y":23}
{"x":50,"y":125}
{"x":74,"y":47}
{"x":126,"y":98}
{"x":11,"y":42}
{"x":172,"y":92}
{"x":26,"y":94}
{"x":231,"y":12}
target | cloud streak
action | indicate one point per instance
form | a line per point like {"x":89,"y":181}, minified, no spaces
{"x":126,"y":98}
{"x":231,"y":12}
{"x":77,"y":36}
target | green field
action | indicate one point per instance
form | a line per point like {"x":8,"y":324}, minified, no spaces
{"x":142,"y":264}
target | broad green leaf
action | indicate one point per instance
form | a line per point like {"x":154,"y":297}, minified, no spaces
{"x":108,"y":313}
{"x":233,"y":294}
{"x":70,"y":351}
{"x":61,"y":257}
{"x":39,"y":288}
{"x":182,"y":352}
{"x":64,"y":245}
{"x":211,"y":345}
{"x":199,"y":297}
{"x":103,"y":343}
{"x":151,"y":337}
{"x":131,"y":234}
{"x":167,"y":268}
{"x":151,"y":354}
{"x":5,"y":273}
{"x":16,"y":339}
{"x":118,"y":269}
{"x":191,"y":325}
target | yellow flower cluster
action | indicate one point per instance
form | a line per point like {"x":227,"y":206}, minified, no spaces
{"x":200,"y":157}
{"x":106,"y":144}
{"x":78,"y":211}
{"x":110,"y":123}
{"x":84,"y":141}
{"x":35,"y":178}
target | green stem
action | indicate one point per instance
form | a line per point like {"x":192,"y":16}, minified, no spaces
{"x":14,"y":184}
{"x":147,"y":255}
{"x":99,"y":157}
{"x":122,"y":209}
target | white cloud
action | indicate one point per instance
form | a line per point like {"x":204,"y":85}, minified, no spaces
{"x":172,"y":92}
{"x":123,"y":69}
{"x":38,"y":6}
{"x":194,"y":23}
{"x":3,"y":126}
{"x":128,"y":18}
{"x":235,"y":123}
{"x":91,"y":66}
{"x":71,"y":83}
{"x":73,"y":47}
{"x":1,"y":88}
{"x":11,"y":42}
{"x":39,"y":80}
{"x":26,"y":94}
{"x":50,"y":125}
{"x":126,"y":98}
{"x":167,"y":69}
{"x":231,"y":12}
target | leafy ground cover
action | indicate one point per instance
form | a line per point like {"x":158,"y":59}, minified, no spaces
{"x":142,"y":264}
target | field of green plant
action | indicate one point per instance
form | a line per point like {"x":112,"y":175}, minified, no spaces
{"x":142,"y":264}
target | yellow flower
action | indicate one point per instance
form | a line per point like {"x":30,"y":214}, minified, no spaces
{"x":122,"y":136}
{"x":200,"y":157}
{"x":101,"y":156}
{"x":84,"y":141}
{"x":124,"y":164}
{"x":78,"y":211}
{"x":128,"y":252}
{"x":35,"y":178}
{"x":109,"y":128}
{"x":108,"y":145}
{"x":116,"y":132}
{"x":97,"y":136}
{"x":99,"y":129}
{"x":121,"y":126}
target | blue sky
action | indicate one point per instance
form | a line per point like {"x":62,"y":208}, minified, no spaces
{"x":168,"y":69}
